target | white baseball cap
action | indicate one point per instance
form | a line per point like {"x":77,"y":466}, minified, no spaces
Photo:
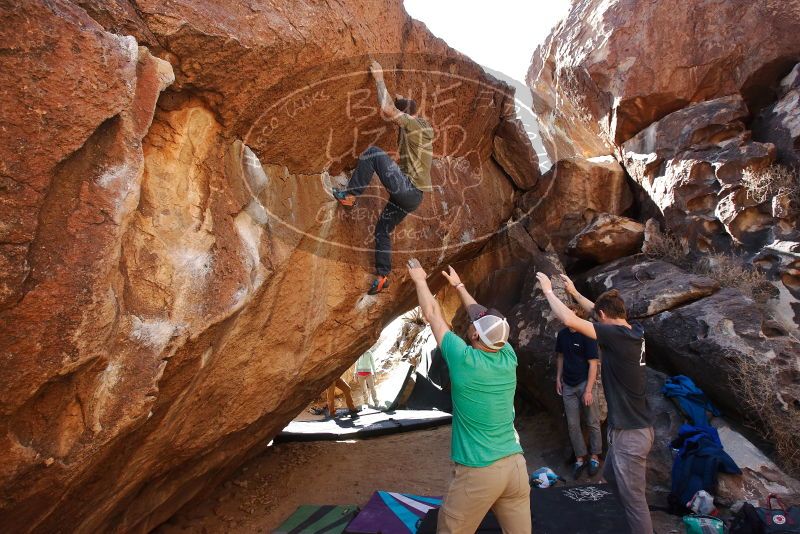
{"x":492,"y":327}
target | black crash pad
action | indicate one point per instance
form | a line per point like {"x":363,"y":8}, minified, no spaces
{"x":369,"y":423}
{"x":586,"y":509}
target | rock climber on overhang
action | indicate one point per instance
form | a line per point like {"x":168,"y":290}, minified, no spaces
{"x":404,"y":182}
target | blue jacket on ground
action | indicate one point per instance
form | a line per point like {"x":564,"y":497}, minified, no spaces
{"x":691,"y":399}
{"x":700,"y":457}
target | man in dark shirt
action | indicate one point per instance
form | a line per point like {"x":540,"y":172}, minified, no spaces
{"x":576,"y":381}
{"x":630,"y":435}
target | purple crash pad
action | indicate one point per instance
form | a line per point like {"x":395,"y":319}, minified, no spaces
{"x":388,"y":512}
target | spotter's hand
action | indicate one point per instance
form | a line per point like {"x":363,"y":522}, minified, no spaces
{"x":415,"y":270}
{"x":544,"y":282}
{"x":452,"y":276}
{"x":570,"y":287}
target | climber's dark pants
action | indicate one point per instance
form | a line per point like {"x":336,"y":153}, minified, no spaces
{"x":404,"y":198}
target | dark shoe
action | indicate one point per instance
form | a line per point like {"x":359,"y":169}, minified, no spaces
{"x":378,"y":285}
{"x":594,"y":467}
{"x":577,"y":469}
{"x":353,"y":414}
{"x":345,"y":199}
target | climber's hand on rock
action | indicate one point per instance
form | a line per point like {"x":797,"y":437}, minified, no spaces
{"x":568,"y":284}
{"x":451,"y":276}
{"x":415,"y":270}
{"x":376,"y":70}
{"x":544,"y":282}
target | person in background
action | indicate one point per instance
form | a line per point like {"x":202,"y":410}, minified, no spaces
{"x":490,"y":470}
{"x":630,"y":428}
{"x":365,"y":374}
{"x":576,"y":381}
{"x":345,"y":389}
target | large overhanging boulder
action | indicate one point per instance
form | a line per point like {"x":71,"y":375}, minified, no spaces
{"x":172,"y":294}
{"x":611,"y":68}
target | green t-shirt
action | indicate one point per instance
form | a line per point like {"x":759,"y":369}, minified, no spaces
{"x":415,"y":146}
{"x":482,"y":387}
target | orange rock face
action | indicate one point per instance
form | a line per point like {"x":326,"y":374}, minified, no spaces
{"x":611,"y":68}
{"x":176,"y":282}
{"x":570,"y":195}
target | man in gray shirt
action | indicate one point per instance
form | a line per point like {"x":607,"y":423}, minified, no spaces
{"x":630,"y":434}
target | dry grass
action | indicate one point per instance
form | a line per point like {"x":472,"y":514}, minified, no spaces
{"x":413,"y":324}
{"x":777,"y":421}
{"x":415,"y":317}
{"x":730,"y":271}
{"x":775,"y":180}
{"x":667,"y":247}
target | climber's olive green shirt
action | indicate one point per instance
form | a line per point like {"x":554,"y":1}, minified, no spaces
{"x":415,"y":145}
{"x":483,"y":386}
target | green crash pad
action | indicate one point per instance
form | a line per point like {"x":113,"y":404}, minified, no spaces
{"x":312,"y":519}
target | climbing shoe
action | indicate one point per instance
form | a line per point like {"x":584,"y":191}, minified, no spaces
{"x":594,"y":467}
{"x":353,"y":414}
{"x":343,"y":197}
{"x":577,"y":469}
{"x":378,"y":285}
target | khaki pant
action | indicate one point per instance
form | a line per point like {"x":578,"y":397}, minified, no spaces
{"x":367,"y":383}
{"x":502,"y":487}
{"x":625,"y":469}
{"x":345,"y":389}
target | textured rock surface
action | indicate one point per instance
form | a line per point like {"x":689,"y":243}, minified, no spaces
{"x":779,"y":123}
{"x":781,"y":261}
{"x":515,"y":154}
{"x":571,"y":194}
{"x":613,"y":67}
{"x":171,"y":294}
{"x":708,"y":339}
{"x":607,"y":238}
{"x":690,"y":163}
{"x":649,"y":287}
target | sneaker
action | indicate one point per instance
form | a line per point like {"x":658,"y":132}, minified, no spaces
{"x":344,"y":198}
{"x":577,"y":469}
{"x":594,"y":467}
{"x":378,"y":285}
{"x":353,"y":414}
